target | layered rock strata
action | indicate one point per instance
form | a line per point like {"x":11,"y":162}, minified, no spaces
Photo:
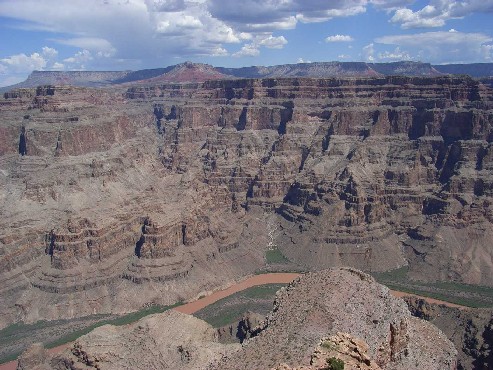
{"x":114,"y":199}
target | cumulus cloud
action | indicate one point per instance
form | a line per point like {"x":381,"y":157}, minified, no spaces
{"x":396,"y":54}
{"x":248,"y":50}
{"x":272,"y":42}
{"x":49,"y":53}
{"x":80,"y":59}
{"x":20,"y":63}
{"x":301,"y":60}
{"x":369,"y":52}
{"x":57,"y":66}
{"x":263,"y":40}
{"x":16,"y":67}
{"x":442,"y":46}
{"x":339,"y":38}
{"x":438,"y":12}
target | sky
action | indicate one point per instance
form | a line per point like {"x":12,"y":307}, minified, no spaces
{"x":66,"y":35}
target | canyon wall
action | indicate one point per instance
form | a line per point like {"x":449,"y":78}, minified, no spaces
{"x":113,"y":199}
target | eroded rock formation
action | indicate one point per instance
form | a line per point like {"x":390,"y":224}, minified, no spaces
{"x":341,"y":313}
{"x":113,"y":199}
{"x":353,"y":316}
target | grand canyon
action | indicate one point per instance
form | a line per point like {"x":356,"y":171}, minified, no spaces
{"x":127,"y":190}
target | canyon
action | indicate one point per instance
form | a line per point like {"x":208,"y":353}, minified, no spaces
{"x":307,"y":325}
{"x":119,"y":198}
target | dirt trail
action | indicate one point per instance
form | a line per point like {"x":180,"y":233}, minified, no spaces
{"x":270,"y":278}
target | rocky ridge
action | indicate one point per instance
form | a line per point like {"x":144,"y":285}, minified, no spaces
{"x":198,"y":72}
{"x":471,"y":331}
{"x":350,"y":302}
{"x":151,"y":194}
{"x":352,"y":318}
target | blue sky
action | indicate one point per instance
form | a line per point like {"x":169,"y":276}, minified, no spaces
{"x":137,"y":34}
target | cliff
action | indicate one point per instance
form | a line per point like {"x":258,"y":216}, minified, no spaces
{"x":116,"y":198}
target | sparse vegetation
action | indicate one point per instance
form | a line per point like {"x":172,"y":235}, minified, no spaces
{"x":335,"y":364}
{"x":228,"y":310}
{"x":462,"y":294}
{"x":274,"y":256}
{"x":328,"y":345}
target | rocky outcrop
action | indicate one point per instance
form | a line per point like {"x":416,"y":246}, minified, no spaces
{"x":337,"y":349}
{"x":34,"y":358}
{"x":171,"y":340}
{"x":471,"y":331}
{"x":327,"y":303}
{"x":343,"y":314}
{"x":247,"y":327}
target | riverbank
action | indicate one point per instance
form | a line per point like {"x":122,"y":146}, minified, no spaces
{"x":256,"y":280}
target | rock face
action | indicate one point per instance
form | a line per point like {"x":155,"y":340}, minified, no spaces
{"x":34,"y":358}
{"x":340,"y":347}
{"x":379,"y":330}
{"x":471,"y":332}
{"x":114,"y":199}
{"x":333,"y":314}
{"x":171,"y":340}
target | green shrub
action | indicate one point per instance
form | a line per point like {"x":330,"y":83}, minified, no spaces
{"x":335,"y":364}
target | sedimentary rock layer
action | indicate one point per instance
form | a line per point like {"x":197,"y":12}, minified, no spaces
{"x":114,"y":199}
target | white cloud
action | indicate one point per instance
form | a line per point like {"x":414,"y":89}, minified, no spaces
{"x":261,"y":40}
{"x":438,"y":12}
{"x":339,"y":38}
{"x":343,"y":56}
{"x":49,"y":53}
{"x":368,"y":52}
{"x":487,"y":52}
{"x":442,"y":46}
{"x":57,"y":66}
{"x":396,"y":55}
{"x":93,"y":44}
{"x":248,"y":50}
{"x":426,"y":17}
{"x":22,"y":63}
{"x":79,"y":60}
{"x":301,"y":60}
{"x":272,"y":42}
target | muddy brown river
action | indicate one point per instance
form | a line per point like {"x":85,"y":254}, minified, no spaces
{"x":270,"y":278}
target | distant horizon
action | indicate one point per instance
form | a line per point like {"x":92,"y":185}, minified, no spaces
{"x":257,"y":65}
{"x":118,"y":35}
